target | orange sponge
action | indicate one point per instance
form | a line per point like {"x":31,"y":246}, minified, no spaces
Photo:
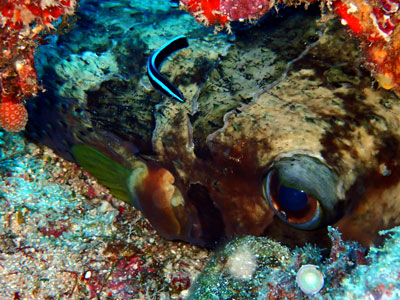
{"x":13,"y":116}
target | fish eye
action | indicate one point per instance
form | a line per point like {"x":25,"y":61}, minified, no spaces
{"x":301,"y":191}
{"x":292,"y":205}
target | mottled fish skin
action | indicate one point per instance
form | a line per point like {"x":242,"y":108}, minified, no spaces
{"x":207,"y":159}
{"x":61,"y":123}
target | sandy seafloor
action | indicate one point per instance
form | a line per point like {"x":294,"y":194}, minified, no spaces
{"x":63,"y":236}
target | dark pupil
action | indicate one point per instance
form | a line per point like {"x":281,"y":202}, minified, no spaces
{"x":292,"y":199}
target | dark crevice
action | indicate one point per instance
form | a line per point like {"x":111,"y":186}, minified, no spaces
{"x":212,"y":225}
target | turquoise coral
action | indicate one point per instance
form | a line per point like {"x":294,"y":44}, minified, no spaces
{"x":347,"y":271}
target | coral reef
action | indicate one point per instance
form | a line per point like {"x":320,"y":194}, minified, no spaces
{"x":13,"y":116}
{"x":25,"y":24}
{"x":268,"y":270}
{"x":223,"y":11}
{"x":376,"y":24}
{"x":290,"y":96}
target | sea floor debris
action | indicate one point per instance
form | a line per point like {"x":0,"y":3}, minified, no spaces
{"x":259,"y":268}
{"x":64,"y":237}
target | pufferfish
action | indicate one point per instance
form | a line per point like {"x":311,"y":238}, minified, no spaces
{"x":278,"y":135}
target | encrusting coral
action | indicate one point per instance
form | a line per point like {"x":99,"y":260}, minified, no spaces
{"x":273,"y":271}
{"x":24,"y":25}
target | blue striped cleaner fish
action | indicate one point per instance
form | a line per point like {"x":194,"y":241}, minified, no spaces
{"x":156,"y":78}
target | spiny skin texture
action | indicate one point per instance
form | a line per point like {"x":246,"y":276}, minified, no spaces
{"x":373,"y":22}
{"x":198,"y":170}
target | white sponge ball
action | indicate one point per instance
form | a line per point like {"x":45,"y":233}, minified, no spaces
{"x":309,"y":279}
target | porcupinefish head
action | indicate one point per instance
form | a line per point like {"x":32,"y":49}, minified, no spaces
{"x":241,"y":153}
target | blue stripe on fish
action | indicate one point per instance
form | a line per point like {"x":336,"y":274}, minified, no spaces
{"x":156,"y":78}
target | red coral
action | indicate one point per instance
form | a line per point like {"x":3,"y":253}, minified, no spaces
{"x":24,"y":25}
{"x":54,"y":229}
{"x":350,"y":20}
{"x":376,"y":25}
{"x":205,"y":11}
{"x":13,"y":116}
{"x":180,"y":282}
{"x":212,"y":12}
{"x":239,"y":10}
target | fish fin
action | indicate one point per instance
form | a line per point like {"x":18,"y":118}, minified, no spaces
{"x":108,"y":172}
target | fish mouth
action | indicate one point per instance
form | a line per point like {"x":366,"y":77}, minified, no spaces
{"x":303,"y":192}
{"x":159,"y":199}
{"x":190,"y":216}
